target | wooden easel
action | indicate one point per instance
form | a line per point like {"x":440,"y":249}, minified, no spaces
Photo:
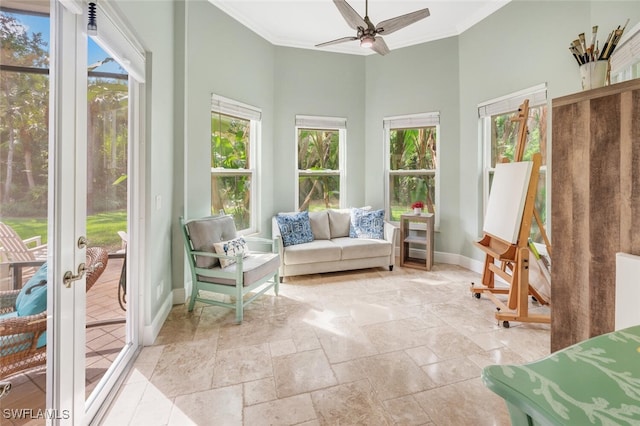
{"x":513,"y":258}
{"x":523,"y":130}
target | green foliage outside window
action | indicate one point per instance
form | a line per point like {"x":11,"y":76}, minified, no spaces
{"x":24,"y":110}
{"x":319,"y":169}
{"x":107,"y":142}
{"x":230,"y":153}
{"x":413,"y":162}
{"x":504,"y":134}
{"x":24,"y":137}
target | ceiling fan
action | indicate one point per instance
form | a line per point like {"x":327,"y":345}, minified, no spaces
{"x":369,"y":34}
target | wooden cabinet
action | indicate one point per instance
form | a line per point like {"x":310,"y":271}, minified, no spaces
{"x":595,"y":206}
{"x":406,"y":239}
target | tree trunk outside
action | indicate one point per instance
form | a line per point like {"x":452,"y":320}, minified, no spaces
{"x":28,"y":168}
{"x":9,"y":179}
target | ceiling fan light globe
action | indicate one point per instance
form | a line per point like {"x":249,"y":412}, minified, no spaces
{"x":367,"y":41}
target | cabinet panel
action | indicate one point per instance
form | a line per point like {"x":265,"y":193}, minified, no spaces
{"x":406,"y":240}
{"x":595,"y":197}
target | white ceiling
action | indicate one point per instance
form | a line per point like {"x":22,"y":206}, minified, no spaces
{"x":305,"y":23}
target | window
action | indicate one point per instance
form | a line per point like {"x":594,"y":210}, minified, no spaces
{"x":625,"y":61}
{"x":499,"y":136}
{"x":321,"y":159}
{"x":235,"y":129}
{"x":412,"y":163}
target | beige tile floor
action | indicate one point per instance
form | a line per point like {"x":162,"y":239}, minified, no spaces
{"x":369,"y":347}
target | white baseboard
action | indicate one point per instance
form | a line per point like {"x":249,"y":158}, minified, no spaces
{"x":450,"y":258}
{"x":466,"y":262}
{"x":180,"y":294}
{"x":151,"y":331}
{"x":460,"y":260}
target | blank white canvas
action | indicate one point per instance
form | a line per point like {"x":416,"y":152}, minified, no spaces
{"x":627,"y":290}
{"x":506,"y":200}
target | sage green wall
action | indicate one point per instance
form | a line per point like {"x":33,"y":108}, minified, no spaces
{"x":416,"y":79}
{"x":317,"y":83}
{"x":227,"y":59}
{"x":519,"y":46}
{"x":214,"y":55}
{"x":156,"y":36}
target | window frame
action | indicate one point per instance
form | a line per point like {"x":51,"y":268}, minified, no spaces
{"x":232,"y":108}
{"x":625,"y":60}
{"x":510,"y":103}
{"x":411,"y":121}
{"x":323,"y":123}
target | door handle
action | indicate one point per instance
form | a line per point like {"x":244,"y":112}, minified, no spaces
{"x":68,"y":277}
{"x":5,"y":387}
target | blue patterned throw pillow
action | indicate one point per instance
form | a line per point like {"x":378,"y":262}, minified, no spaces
{"x":295,"y":228}
{"x":231,"y":248}
{"x":367,"y":224}
{"x":32,"y":299}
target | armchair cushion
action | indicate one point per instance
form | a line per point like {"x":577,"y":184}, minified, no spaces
{"x":295,"y":229}
{"x":231,"y":248}
{"x":32,"y":299}
{"x":208,"y":231}
{"x":254,"y":266}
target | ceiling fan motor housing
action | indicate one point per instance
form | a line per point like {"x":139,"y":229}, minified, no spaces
{"x":365,"y":29}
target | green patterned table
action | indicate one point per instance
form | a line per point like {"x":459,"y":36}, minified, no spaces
{"x":596,"y":381}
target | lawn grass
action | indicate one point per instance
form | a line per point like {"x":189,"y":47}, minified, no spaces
{"x":102,"y":228}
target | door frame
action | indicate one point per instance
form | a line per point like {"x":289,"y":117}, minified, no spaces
{"x":67,"y":221}
{"x":67,"y":209}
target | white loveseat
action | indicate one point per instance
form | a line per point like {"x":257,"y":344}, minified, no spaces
{"x":332,"y":249}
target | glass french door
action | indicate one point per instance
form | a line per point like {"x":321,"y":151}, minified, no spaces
{"x":70,"y":133}
{"x":99,"y":191}
{"x":95,"y":144}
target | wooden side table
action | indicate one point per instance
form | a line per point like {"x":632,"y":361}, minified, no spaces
{"x":406,"y":239}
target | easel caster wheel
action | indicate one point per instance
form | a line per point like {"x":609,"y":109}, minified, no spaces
{"x":505,"y":324}
{"x":477,"y":295}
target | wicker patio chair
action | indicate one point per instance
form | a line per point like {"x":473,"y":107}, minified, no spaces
{"x":20,"y":348}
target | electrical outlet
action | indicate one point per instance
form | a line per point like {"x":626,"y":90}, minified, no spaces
{"x":159,"y":290}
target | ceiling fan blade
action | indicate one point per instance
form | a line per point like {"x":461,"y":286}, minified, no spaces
{"x":394,"y":24}
{"x":340,"y":40}
{"x":379,"y":46}
{"x":351,"y":16}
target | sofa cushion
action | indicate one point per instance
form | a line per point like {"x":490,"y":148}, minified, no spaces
{"x":339,"y":220}
{"x":360,"y":248}
{"x":367,"y":224}
{"x":320,"y":225}
{"x":315,"y":251}
{"x":254,"y":267}
{"x":32,"y":298}
{"x":204,"y":233}
{"x":231,"y":248}
{"x":295,"y":228}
